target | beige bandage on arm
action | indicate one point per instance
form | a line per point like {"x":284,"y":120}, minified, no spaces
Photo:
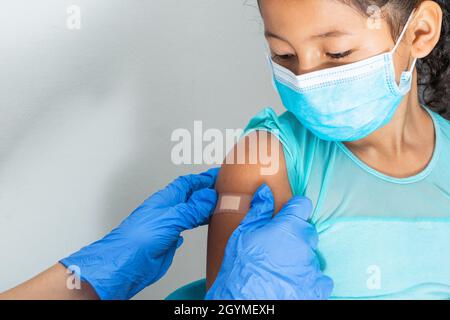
{"x":233,"y":203}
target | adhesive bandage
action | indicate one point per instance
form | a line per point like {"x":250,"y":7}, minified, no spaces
{"x":233,"y":203}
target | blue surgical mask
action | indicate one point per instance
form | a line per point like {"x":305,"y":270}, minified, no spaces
{"x":348,"y":102}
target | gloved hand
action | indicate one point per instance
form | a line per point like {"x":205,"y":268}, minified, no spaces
{"x":272,"y":258}
{"x":140,"y":250}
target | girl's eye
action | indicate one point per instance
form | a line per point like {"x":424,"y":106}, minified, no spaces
{"x":339,"y":55}
{"x":282,"y":57}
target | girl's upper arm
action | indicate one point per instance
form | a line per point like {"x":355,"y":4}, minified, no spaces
{"x":245,"y":177}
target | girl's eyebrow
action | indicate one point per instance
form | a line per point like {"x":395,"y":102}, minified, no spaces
{"x":328,"y":34}
{"x":269,"y":34}
{"x":332,"y":34}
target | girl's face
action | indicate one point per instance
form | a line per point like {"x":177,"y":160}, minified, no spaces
{"x":310,"y":35}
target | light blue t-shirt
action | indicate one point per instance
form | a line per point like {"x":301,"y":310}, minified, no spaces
{"x":380,"y":237}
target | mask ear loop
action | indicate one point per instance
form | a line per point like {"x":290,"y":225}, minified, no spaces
{"x":405,"y":28}
{"x":268,"y":58}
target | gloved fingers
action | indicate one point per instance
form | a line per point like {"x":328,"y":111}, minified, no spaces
{"x":197,"y":210}
{"x":179,"y":190}
{"x":212,"y":172}
{"x":261,"y":208}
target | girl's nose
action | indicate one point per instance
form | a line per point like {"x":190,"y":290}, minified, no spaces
{"x":308,"y":61}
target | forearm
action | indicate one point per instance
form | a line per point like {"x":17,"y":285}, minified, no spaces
{"x":220,"y":228}
{"x":55,"y":283}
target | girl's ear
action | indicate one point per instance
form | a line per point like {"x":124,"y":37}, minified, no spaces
{"x":427,"y":28}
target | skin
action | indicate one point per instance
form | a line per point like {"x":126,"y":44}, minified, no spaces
{"x":50,"y":285}
{"x":310,"y":35}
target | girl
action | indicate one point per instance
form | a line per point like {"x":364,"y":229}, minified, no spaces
{"x":366,"y":137}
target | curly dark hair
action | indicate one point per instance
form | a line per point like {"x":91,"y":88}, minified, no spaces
{"x":433,"y":70}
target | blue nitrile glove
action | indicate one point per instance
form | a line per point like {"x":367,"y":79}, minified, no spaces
{"x":272,"y":258}
{"x":140,"y":250}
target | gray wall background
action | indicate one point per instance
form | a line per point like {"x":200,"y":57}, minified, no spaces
{"x":87,"y":115}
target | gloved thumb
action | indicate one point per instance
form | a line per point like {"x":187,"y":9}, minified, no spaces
{"x":197,"y":210}
{"x":297,"y":207}
{"x":261,"y":208}
{"x":293,"y":219}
